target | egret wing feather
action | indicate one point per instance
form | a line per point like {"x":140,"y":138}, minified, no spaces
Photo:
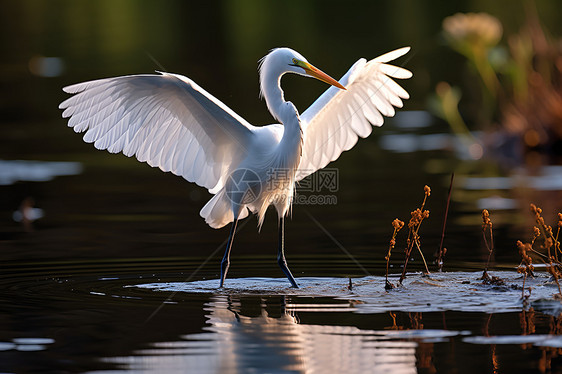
{"x":166,"y":120}
{"x":336,"y":120}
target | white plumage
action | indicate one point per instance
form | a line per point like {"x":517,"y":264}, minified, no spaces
{"x":333,"y":123}
{"x":170,"y":122}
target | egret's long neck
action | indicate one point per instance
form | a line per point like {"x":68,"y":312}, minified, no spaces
{"x":270,"y":82}
{"x":284,"y":111}
{"x":290,"y":147}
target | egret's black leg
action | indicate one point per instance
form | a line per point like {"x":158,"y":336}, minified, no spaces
{"x":281,"y":254}
{"x":226,"y":258}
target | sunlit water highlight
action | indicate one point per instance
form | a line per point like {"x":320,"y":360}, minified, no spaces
{"x":454,"y":291}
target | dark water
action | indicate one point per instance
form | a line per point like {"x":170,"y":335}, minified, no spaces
{"x":110,"y":277}
{"x":118,"y":271}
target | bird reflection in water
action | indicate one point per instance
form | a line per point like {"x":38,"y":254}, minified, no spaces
{"x":244,"y":336}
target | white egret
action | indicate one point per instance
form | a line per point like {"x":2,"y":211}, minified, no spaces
{"x":168,"y":121}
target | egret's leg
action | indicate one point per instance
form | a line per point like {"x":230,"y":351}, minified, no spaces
{"x":226,"y":258}
{"x":281,"y":254}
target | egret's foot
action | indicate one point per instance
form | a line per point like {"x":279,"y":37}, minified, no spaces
{"x":225,"y":263}
{"x":224,"y":269}
{"x":291,"y":279}
{"x":285,"y":268}
{"x":281,"y":254}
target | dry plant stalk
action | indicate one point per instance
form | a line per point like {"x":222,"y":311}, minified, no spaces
{"x":544,"y":229}
{"x":442,"y":251}
{"x":526,"y":265}
{"x":418,"y":216}
{"x":487,"y":226}
{"x":557,"y":249}
{"x":397,"y":224}
{"x":549,"y":241}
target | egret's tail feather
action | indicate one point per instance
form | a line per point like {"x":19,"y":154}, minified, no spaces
{"x":218,"y":211}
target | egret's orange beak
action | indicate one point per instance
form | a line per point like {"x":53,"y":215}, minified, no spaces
{"x":319,"y":74}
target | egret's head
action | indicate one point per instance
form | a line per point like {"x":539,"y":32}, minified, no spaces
{"x":286,"y":60}
{"x":303,"y":67}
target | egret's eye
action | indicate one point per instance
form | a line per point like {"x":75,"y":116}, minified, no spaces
{"x":295,"y":61}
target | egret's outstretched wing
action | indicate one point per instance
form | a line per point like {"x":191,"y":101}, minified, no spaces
{"x":166,"y":120}
{"x":333,"y":123}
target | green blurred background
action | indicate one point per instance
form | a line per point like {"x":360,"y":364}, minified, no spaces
{"x":49,"y":44}
{"x":218,"y":44}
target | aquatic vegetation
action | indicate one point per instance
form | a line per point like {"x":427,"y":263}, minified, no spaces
{"x":549,"y":241}
{"x":526,"y":265}
{"x":489,"y":242}
{"x":417,"y":217}
{"x":487,"y":227}
{"x":397,"y":224}
{"x":545,"y":231}
{"x":442,"y":251}
{"x":413,"y":239}
{"x":543,"y":240}
{"x":519,"y":81}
